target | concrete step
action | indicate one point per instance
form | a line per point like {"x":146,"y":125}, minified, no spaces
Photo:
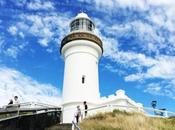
{"x":60,"y":127}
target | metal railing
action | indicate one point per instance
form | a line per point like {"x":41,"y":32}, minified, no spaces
{"x":14,"y":110}
{"x":148,"y":111}
{"x":75,"y":126}
{"x":31,"y":104}
{"x":35,"y":107}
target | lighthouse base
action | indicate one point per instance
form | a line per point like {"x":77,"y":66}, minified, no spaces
{"x":105,"y":104}
{"x":69,"y":111}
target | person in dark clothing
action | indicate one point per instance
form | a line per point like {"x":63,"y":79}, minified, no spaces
{"x":11,"y":102}
{"x":85,"y":108}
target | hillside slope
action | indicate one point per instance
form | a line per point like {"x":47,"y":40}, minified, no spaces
{"x":118,"y":120}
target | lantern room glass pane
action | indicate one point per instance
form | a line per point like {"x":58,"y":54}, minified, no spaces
{"x":82,"y":24}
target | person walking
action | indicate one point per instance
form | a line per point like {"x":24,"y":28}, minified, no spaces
{"x":85,"y":108}
{"x":17,"y":104}
{"x":78,"y":114}
{"x":16,"y":100}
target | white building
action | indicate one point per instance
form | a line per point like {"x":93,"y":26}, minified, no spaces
{"x":81,"y":50}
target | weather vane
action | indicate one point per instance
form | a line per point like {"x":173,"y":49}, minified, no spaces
{"x":82,"y":10}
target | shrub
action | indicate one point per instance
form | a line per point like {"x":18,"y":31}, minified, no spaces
{"x":122,"y":120}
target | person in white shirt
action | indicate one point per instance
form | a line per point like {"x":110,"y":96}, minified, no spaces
{"x":76,"y":117}
{"x":16,"y":101}
{"x":77,"y":114}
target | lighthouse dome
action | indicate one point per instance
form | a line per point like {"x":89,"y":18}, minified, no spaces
{"x":82,"y":15}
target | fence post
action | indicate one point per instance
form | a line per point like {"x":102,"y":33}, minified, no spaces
{"x":18,"y":107}
{"x":166,"y":114}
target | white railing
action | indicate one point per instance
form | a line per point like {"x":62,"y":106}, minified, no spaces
{"x":35,"y":107}
{"x":75,"y":126}
{"x":31,"y":105}
{"x":28,"y":105}
{"x":148,"y":111}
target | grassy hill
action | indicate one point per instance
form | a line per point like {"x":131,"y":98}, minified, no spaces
{"x":118,"y":120}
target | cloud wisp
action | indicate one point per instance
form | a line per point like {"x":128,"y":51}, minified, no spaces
{"x":13,"y":82}
{"x":46,"y":27}
{"x":140,"y":38}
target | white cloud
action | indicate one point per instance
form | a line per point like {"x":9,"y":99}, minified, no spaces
{"x":134,"y":4}
{"x":47,"y":28}
{"x":130,"y":59}
{"x":43,"y":42}
{"x":134,"y":77}
{"x":14,"y":83}
{"x":49,"y":50}
{"x":119,"y":29}
{"x":157,"y":18}
{"x":153,"y":59}
{"x":12,"y":30}
{"x":40,"y":5}
{"x":152,"y":21}
{"x":146,"y":31}
{"x":12,"y":51}
{"x":161,"y":88}
{"x":44,"y":27}
{"x":142,"y":31}
{"x":164,"y":71}
{"x":163,"y":68}
{"x":23,"y":25}
{"x":150,"y":38}
{"x":113,"y":4}
{"x":21,"y":34}
{"x":161,"y":2}
{"x":38,"y":28}
{"x":154,"y":88}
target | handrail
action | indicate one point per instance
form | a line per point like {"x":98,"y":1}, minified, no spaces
{"x":74,"y":125}
{"x":139,"y":109}
{"x":30,"y":104}
{"x":16,"y":116}
{"x":33,"y":107}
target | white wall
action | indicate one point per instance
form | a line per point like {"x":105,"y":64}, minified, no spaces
{"x":81,"y":59}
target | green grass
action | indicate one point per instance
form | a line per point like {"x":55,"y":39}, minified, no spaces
{"x":121,"y":120}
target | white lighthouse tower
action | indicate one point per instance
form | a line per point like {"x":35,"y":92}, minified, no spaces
{"x":81,"y":50}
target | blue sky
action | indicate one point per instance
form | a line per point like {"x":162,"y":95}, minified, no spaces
{"x":138,"y":38}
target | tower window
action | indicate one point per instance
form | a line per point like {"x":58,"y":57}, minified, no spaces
{"x":83,"y":79}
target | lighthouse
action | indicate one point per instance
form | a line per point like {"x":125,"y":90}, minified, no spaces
{"x":81,"y":50}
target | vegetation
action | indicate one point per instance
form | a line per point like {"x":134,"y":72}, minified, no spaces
{"x":120,"y":120}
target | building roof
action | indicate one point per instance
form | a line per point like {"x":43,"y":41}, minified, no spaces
{"x":82,"y":15}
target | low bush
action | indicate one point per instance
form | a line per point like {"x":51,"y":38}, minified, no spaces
{"x":122,"y":120}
